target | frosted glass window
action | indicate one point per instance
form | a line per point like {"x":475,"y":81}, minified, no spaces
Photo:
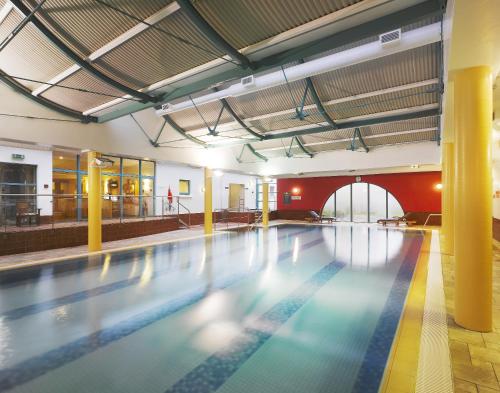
{"x":381,"y":204}
{"x":343,"y":195}
{"x":393,"y":207}
{"x":377,"y":203}
{"x":360,"y":202}
{"x":329,"y":208}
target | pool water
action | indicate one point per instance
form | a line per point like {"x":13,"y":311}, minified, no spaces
{"x":289,"y":309}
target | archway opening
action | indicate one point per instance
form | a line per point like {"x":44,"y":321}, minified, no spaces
{"x":362,"y":202}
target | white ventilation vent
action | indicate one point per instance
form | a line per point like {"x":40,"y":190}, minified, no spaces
{"x":248,"y":81}
{"x":390,"y":38}
{"x":166,"y":107}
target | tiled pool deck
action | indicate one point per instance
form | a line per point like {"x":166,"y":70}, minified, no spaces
{"x":475,"y":356}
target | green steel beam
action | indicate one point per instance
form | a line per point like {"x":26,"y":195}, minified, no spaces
{"x":18,"y":87}
{"x":77,"y":59}
{"x":253,"y":151}
{"x":155,"y":142}
{"x":302,"y":147}
{"x":357,"y":134}
{"x":381,"y":25}
{"x":238,"y":120}
{"x":318,"y":103}
{"x":354,"y":124}
{"x":212,"y":35}
{"x":177,"y":128}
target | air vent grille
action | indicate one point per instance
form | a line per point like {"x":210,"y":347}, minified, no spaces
{"x":248,"y":81}
{"x":390,"y":38}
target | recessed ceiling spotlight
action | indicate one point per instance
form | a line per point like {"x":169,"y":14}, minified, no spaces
{"x":414,"y":166}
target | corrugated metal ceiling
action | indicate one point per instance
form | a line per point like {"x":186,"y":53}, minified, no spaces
{"x":270,"y":100}
{"x":79,"y":100}
{"x":73,"y":20}
{"x":288,"y":121}
{"x":399,"y":69}
{"x":384,"y":102}
{"x":28,"y":48}
{"x":243,"y":23}
{"x":153,"y":55}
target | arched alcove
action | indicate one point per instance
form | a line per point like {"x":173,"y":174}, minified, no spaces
{"x":362,"y":202}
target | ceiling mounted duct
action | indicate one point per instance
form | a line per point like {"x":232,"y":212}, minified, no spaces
{"x":409,"y":40}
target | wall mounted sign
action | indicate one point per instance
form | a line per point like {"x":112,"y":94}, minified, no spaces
{"x":296,"y":197}
{"x":358,"y":179}
{"x":18,"y":156}
{"x":286,"y":198}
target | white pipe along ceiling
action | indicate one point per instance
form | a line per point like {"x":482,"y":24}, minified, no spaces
{"x":363,"y":53}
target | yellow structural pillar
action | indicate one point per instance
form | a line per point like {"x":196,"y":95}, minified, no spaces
{"x":447,"y":198}
{"x":473,"y":198}
{"x":94,"y":204}
{"x":265,"y":205}
{"x":208,"y":201}
{"x":448,"y":173}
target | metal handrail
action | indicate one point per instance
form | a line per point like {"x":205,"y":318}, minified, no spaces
{"x":151,"y":208}
{"x":432,"y":214}
{"x":179,"y":205}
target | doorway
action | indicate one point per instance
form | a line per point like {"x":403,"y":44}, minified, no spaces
{"x":236,"y":196}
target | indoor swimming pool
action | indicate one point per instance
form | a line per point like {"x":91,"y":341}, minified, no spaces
{"x":290,"y":309}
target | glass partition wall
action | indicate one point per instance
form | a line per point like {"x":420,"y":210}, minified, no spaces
{"x":362,"y":202}
{"x":16,"y":179}
{"x":127,"y":187}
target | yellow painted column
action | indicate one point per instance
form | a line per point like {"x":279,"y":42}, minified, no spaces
{"x":473,"y":198}
{"x":94,"y":204}
{"x":447,"y":198}
{"x":448,"y":173}
{"x":265,"y":205}
{"x":208,"y":201}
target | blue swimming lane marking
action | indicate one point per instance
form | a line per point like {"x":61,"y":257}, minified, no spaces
{"x":35,"y":308}
{"x":216,"y":370}
{"x":373,"y":366}
{"x":39,"y":365}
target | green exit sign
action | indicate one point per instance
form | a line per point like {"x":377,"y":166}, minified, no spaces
{"x":18,"y":156}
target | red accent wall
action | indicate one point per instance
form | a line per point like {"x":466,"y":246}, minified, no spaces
{"x":415,"y":192}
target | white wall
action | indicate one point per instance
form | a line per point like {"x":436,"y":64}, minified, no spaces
{"x":345,"y":160}
{"x":221,"y":189}
{"x":43,"y":162}
{"x":118,"y":137}
{"x":168,"y":175}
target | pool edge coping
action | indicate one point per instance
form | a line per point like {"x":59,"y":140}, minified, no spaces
{"x":403,"y":347}
{"x":417,"y":372}
{"x":45,"y":261}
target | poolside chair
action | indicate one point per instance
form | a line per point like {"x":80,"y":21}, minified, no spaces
{"x":26,"y":212}
{"x":315,"y":217}
{"x":397,"y":220}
